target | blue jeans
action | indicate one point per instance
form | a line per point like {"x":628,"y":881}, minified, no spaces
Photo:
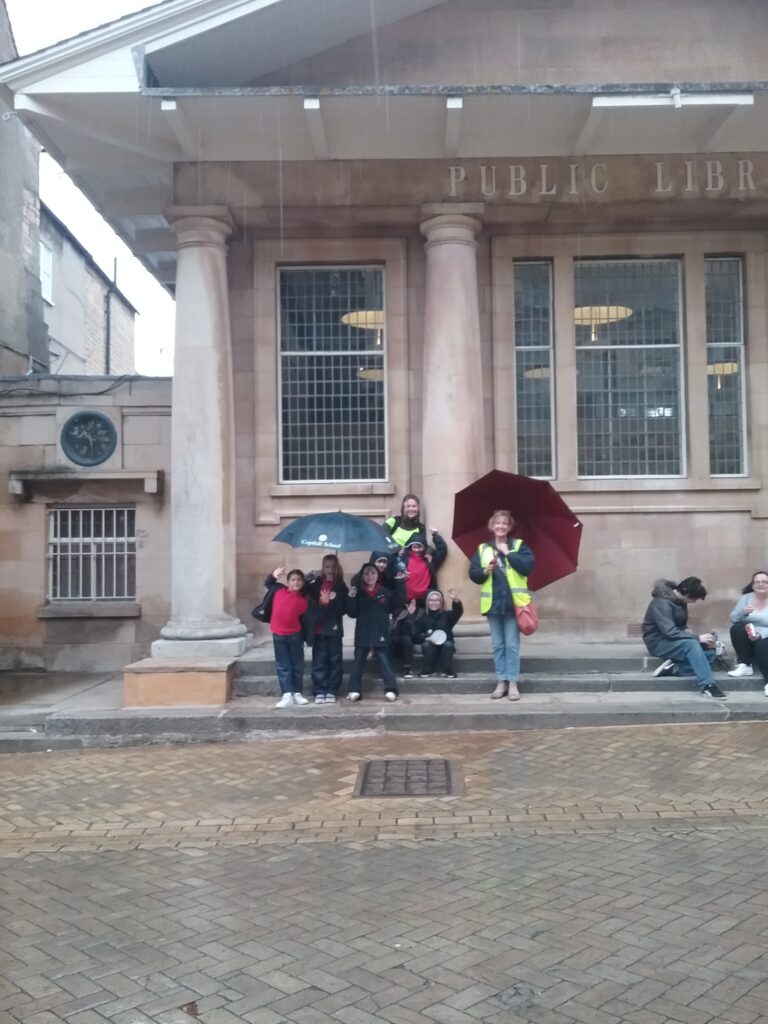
{"x":690,"y":658}
{"x":505,"y":638}
{"x":289,"y":661}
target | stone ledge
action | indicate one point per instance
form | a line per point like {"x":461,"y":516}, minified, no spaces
{"x":180,"y":665}
{"x":90,"y":610}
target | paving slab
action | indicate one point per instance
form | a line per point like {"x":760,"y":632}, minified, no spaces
{"x":594,"y":876}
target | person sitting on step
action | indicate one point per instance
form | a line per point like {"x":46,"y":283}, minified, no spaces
{"x":749,"y":628}
{"x":666,"y":634}
{"x":437,"y":622}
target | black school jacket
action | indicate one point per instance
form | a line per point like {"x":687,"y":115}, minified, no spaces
{"x":372,"y":613}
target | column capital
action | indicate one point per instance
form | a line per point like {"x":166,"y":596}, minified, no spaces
{"x":200,"y":225}
{"x":452,"y":226}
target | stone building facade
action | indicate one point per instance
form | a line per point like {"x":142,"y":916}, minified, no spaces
{"x":522,"y":236}
{"x":71,"y":597}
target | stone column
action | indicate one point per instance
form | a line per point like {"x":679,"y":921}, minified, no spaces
{"x":453,"y":425}
{"x":202,"y":448}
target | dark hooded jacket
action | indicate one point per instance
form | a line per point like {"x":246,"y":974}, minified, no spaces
{"x":666,"y":618}
{"x":444,"y":619}
{"x":329,"y":618}
{"x":372,"y":612}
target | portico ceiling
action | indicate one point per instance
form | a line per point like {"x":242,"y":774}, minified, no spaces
{"x":121,"y":105}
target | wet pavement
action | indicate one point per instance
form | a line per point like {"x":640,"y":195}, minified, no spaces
{"x":593,"y":876}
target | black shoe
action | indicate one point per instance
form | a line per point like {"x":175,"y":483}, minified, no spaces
{"x":407,"y":672}
{"x":451,"y":675}
{"x":713,"y":690}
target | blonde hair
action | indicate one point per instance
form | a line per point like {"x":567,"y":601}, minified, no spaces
{"x":497,"y":514}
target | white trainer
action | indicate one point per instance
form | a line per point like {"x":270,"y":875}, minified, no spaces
{"x":300,"y":699}
{"x":765,"y":689}
{"x":353,"y":696}
{"x":390,"y":695}
{"x":665,"y":668}
{"x":741,"y":671}
{"x":286,"y":701}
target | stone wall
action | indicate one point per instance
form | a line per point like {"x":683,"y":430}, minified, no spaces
{"x":34,"y":632}
{"x":76,"y":319}
{"x":22,"y":331}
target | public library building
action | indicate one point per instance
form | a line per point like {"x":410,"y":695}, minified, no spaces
{"x":475,"y":234}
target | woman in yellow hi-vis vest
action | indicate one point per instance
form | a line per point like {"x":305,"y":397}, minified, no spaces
{"x":502,"y":567}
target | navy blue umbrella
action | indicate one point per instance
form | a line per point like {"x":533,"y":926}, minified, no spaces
{"x":336,"y":531}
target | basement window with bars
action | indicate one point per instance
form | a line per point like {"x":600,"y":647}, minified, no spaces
{"x":92,"y":554}
{"x":332,"y":374}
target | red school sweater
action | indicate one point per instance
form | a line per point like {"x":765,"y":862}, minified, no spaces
{"x":287,"y":608}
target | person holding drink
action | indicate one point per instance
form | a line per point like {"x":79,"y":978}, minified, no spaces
{"x":749,"y":628}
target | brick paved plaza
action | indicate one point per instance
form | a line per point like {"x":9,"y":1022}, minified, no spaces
{"x":594,"y":876}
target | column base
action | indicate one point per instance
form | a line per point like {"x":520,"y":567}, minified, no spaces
{"x":227,"y":647}
{"x":159,"y":682}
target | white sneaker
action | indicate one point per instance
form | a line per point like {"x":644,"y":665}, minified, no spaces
{"x":353,"y":696}
{"x":286,"y":701}
{"x":664,"y":668}
{"x":765,"y":689}
{"x":390,"y":695}
{"x":300,"y":699}
{"x":741,"y":670}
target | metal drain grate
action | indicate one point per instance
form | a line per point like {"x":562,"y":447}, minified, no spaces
{"x":408,"y":777}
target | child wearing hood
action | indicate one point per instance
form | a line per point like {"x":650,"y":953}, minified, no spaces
{"x":370,"y":603}
{"x":438,"y":658}
{"x":417,"y":569}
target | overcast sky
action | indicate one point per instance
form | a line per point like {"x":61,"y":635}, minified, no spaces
{"x":40,"y":23}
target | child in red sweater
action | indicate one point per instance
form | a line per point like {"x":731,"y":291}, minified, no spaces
{"x":289,"y":606}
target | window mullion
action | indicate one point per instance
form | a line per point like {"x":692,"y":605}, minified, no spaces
{"x":565,"y":368}
{"x":696,"y":366}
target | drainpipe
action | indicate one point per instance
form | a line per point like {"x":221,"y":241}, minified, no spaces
{"x":108,"y":320}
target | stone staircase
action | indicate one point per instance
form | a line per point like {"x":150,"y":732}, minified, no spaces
{"x":565,"y":683}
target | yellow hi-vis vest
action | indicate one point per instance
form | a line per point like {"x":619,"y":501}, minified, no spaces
{"x":518,"y":584}
{"x":402,"y":534}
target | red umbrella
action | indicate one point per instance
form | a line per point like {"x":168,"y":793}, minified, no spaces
{"x":542,"y":518}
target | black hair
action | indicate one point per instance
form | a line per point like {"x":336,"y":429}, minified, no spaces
{"x":692,"y":587}
{"x":749,"y":589}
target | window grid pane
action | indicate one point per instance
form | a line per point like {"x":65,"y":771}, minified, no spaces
{"x":91,"y":554}
{"x":533,"y":367}
{"x":725,"y":365}
{"x":332,"y":368}
{"x":629,"y":405}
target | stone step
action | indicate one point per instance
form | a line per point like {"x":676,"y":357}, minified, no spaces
{"x":29,"y":741}
{"x":255,"y":718}
{"x":484,"y":682}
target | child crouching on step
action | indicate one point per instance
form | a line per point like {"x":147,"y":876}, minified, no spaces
{"x":437,"y":621}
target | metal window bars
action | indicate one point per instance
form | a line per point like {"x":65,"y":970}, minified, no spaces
{"x":91,"y":553}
